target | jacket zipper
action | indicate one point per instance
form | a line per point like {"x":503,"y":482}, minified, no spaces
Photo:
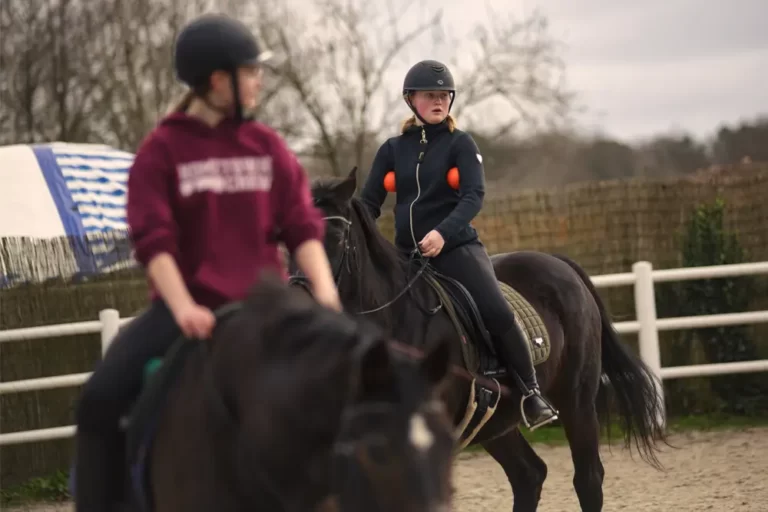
{"x":418,"y":190}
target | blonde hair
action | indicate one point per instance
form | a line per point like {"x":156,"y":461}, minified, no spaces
{"x":411,"y":121}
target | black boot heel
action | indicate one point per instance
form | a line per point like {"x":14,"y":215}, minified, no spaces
{"x":534,"y":409}
{"x":539,"y":411}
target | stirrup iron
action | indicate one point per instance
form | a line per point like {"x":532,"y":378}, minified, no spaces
{"x":529,"y":394}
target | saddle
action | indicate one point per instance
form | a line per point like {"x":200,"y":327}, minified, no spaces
{"x":477,"y":348}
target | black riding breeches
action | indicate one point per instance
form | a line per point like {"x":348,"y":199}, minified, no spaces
{"x":470,"y":265}
{"x":117,"y":379}
{"x":110,"y":392}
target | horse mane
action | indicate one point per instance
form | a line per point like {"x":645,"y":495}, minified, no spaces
{"x":379,"y":268}
{"x":288,"y":367}
{"x":282,"y":328}
{"x":296,"y":322}
{"x":380,"y":251}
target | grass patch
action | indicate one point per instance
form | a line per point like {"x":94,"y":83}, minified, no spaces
{"x":51,"y":488}
{"x":554,"y":435}
{"x":715,"y":423}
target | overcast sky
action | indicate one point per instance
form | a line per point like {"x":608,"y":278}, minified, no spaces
{"x":649,"y":66}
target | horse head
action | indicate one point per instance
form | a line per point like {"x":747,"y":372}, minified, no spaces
{"x":332,"y":386}
{"x":395,"y":445}
{"x":333,"y":197}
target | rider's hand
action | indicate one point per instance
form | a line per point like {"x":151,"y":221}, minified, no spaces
{"x":432,"y":244}
{"x":328,"y":296}
{"x":195,"y":321}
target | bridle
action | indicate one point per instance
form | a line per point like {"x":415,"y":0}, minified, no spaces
{"x":343,"y":448}
{"x":412,"y":352}
{"x":346,"y":448}
{"x":345,"y":261}
{"x":352,"y":449}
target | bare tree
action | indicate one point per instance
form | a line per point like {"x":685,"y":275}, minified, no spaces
{"x":337,"y":66}
{"x":511,"y":76}
{"x":51,"y":83}
{"x":24,"y":68}
{"x":101,"y":70}
{"x":333,"y":72}
{"x":91,"y":70}
{"x":53,"y":73}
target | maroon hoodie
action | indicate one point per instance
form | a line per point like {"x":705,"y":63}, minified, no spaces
{"x":218,"y":200}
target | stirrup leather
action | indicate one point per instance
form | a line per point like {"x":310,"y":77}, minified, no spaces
{"x":527,"y":424}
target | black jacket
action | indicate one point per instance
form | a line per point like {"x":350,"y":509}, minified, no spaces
{"x":425,"y":200}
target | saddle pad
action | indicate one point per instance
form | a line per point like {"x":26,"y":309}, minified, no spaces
{"x":530,"y":322}
{"x":526,"y":317}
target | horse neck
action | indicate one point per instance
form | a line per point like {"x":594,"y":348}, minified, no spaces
{"x":377,"y":278}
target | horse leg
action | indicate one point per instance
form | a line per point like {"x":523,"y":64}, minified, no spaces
{"x":525,"y":470}
{"x":582,"y":428}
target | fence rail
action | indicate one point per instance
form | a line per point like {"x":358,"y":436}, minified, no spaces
{"x":647,"y":326}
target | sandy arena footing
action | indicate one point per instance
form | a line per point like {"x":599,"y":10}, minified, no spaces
{"x":720,"y":471}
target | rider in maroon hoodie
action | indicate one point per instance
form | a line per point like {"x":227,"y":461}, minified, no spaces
{"x":210,"y":195}
{"x":215,"y":195}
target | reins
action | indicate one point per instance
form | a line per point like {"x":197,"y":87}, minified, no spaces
{"x":301,"y":280}
{"x":402,"y":348}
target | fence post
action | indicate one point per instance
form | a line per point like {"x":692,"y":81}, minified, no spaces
{"x":648,"y":336}
{"x":110,"y":324}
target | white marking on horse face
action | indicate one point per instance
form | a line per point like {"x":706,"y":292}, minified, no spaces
{"x":420,"y":436}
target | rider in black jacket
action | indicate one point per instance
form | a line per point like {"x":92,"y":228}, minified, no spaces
{"x":434,"y":218}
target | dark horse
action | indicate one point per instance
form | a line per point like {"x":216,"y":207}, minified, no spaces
{"x":407,"y":298}
{"x":293,"y":407}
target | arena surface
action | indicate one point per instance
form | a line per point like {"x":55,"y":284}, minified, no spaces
{"x":718,"y":471}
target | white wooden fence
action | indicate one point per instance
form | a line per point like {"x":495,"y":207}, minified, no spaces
{"x":647,"y":326}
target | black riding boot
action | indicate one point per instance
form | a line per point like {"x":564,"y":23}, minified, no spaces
{"x":99,"y":473}
{"x":516,"y":356}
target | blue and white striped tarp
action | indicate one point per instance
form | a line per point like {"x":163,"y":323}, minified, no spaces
{"x":63,"y":191}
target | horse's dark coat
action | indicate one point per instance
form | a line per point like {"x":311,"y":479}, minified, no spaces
{"x":371,"y":272}
{"x":307,"y":390}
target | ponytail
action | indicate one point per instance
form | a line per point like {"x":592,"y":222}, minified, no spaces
{"x":411,"y":121}
{"x":181,"y":104}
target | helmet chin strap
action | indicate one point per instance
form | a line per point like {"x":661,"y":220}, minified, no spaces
{"x":236,"y":97}
{"x":407,"y":98}
{"x":227,"y":111}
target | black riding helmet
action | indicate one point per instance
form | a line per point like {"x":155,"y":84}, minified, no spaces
{"x":428,"y":75}
{"x":216,"y":42}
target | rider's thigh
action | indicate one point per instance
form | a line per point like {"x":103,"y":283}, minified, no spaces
{"x":117,"y":378}
{"x":470,"y":265}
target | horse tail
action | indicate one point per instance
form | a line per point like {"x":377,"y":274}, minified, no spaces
{"x":632,"y":383}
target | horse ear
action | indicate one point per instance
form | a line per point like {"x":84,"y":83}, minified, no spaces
{"x":375,"y":372}
{"x":437,"y":362}
{"x":345,"y":189}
